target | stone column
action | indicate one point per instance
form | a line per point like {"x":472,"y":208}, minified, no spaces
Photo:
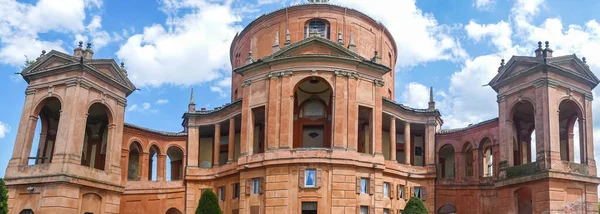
{"x":273,"y":112}
{"x":144,"y":168}
{"x":27,"y":142}
{"x":352,"y":120}
{"x":193,"y":143}
{"x":393,"y":139}
{"x":460,"y":168}
{"x":247,"y":121}
{"x":340,"y":111}
{"x":216,"y":145}
{"x":570,"y":145}
{"x":161,"y":167}
{"x":509,"y":143}
{"x":231,"y":150}
{"x":407,"y":144}
{"x":477,"y":163}
{"x":286,"y":114}
{"x":19,"y":156}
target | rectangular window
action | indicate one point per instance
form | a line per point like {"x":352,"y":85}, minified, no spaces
{"x":309,"y":178}
{"x":401,"y":191}
{"x":236,"y":190}
{"x":256,"y":186}
{"x":386,"y":189}
{"x":222,"y":193}
{"x":364,"y":210}
{"x":364,"y":185}
{"x":418,"y":191}
{"x":309,"y":207}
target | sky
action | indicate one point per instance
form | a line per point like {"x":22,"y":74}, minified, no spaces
{"x":171,"y":46}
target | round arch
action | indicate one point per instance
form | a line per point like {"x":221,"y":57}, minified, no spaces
{"x":41,"y":147}
{"x":468,"y":159}
{"x":447,"y":209}
{"x":486,"y":157}
{"x":570,"y":118}
{"x":107,"y":109}
{"x":446,"y":160}
{"x":175,"y":164}
{"x":43,"y":101}
{"x":313,"y":101}
{"x":173,"y":210}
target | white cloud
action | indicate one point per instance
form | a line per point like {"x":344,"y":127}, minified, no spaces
{"x":484,"y":4}
{"x":191,"y":48}
{"x":4,"y":129}
{"x":499,"y":34}
{"x":142,"y":108}
{"x":22,"y":23}
{"x":427,"y":41}
{"x":467,"y":100}
{"x":416,"y":95}
{"x":162,"y":101}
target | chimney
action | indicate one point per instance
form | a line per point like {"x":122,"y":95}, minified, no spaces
{"x":192,"y":105}
{"x":431,"y":102}
{"x":88,"y":53}
{"x":78,"y":52}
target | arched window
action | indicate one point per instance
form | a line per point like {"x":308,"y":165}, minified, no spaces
{"x":487,"y":160}
{"x":173,"y":211}
{"x":317,"y":27}
{"x":47,"y":127}
{"x":446,"y":161}
{"x":523,"y":122}
{"x":96,"y":137}
{"x":133,"y":165}
{"x":447,"y":209}
{"x":312,"y":107}
{"x":153,"y":163}
{"x":571,"y":138}
{"x":174,"y":164}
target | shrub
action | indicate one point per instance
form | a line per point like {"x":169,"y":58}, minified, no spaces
{"x":415,"y":206}
{"x":209,"y":204}
{"x":3,"y":197}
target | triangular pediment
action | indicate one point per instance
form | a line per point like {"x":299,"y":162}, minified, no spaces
{"x":52,"y":60}
{"x":56,"y":62}
{"x":315,"y":46}
{"x":569,"y":66}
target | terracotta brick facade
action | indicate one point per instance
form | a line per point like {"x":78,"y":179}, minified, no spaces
{"x":312,"y":126}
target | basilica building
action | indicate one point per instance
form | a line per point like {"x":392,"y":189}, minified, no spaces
{"x":312,"y":127}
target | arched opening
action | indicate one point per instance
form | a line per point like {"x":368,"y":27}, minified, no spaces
{"x":91,"y":203}
{"x":569,"y":122}
{"x":446,"y":162}
{"x":317,"y":27}
{"x":523,"y":118}
{"x":133,"y":164}
{"x":447,"y":209}
{"x":26,"y":211}
{"x":47,"y":127}
{"x":487,"y":160}
{"x":153,"y":163}
{"x":174,"y":164}
{"x":523,"y":200}
{"x":173,"y":211}
{"x":468,"y":159}
{"x":312,"y":114}
{"x":96,"y":137}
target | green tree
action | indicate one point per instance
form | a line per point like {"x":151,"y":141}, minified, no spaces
{"x":27,"y":62}
{"x":3,"y":197}
{"x":415,"y":206}
{"x":209,"y":204}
